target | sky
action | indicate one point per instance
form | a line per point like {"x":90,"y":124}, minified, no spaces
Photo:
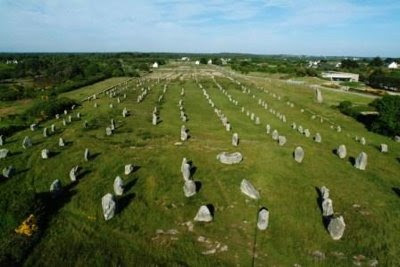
{"x":298,"y":27}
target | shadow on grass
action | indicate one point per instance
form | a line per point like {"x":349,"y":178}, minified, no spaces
{"x":15,"y":153}
{"x":124,"y":201}
{"x":53,"y":154}
{"x":396,"y":190}
{"x":94,"y":156}
{"x":198,"y":186}
{"x":319,"y":198}
{"x":352,"y":160}
{"x":130,"y":184}
{"x":211,"y":209}
{"x":83,"y":173}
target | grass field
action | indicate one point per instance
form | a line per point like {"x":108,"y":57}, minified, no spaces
{"x":77,"y":234}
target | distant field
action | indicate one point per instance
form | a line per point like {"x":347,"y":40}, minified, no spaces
{"x":14,"y":107}
{"x":77,"y":234}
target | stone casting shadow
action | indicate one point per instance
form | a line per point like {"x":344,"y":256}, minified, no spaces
{"x":94,"y":156}
{"x":124,"y":201}
{"x":334,"y":151}
{"x":325,"y":219}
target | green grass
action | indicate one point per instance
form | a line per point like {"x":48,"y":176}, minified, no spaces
{"x":78,"y":235}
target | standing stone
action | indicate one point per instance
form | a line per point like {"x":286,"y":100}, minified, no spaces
{"x":125,"y":113}
{"x":55,"y":188}
{"x":128,"y":169}
{"x":185,"y":171}
{"x":85,"y":124}
{"x":268,"y":128}
{"x":73,"y":173}
{"x":397,"y":138}
{"x":327,"y":207}
{"x":318,"y":138}
{"x":65,"y":112}
{"x":362,"y":141}
{"x":361,"y":161}
{"x":111,"y":106}
{"x":299,"y":154}
{"x":33,"y":127}
{"x":235,"y":139}
{"x":53,"y":128}
{"x":45,"y":132}
{"x":252,"y":116}
{"x":109,"y":131}
{"x":61,"y":142}
{"x":384,"y":148}
{"x":95,"y":105}
{"x":203,"y":215}
{"x":300,"y":129}
{"x":57,"y":116}
{"x":78,"y":115}
{"x":341,"y":151}
{"x":64,"y":122}
{"x":118,"y":186}
{"x":281,"y":140}
{"x":189,"y":188}
{"x":228,"y":127}
{"x":1,"y":140}
{"x":339,"y":129}
{"x":318,"y":95}
{"x":109,"y":206}
{"x":69,"y":118}
{"x":8,"y":171}
{"x":336,"y":227}
{"x":275,"y":135}
{"x":257,"y":121}
{"x":307,"y":133}
{"x":248,"y":189}
{"x":184,"y":134}
{"x":263,"y":219}
{"x":324,"y":192}
{"x":294,"y":126}
{"x":45,"y":153}
{"x":27,"y":142}
{"x":87,"y":154}
{"x":154,"y":120}
{"x":112,"y":125}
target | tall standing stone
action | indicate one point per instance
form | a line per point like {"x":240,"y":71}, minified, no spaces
{"x":268,"y":128}
{"x":361,"y":161}
{"x":61,"y":142}
{"x":318,"y":95}
{"x":154,"y":120}
{"x":235,"y":139}
{"x":184,"y":134}
{"x":53,"y":128}
{"x":299,"y":154}
{"x":327,"y":207}
{"x":384,"y":148}
{"x":186,"y":171}
{"x":118,"y":186}
{"x":263,"y":219}
{"x":109,"y":206}
{"x":1,"y":140}
{"x":324,"y":192}
{"x":73,"y":173}
{"x":189,"y":188}
{"x":45,"y":154}
{"x":27,"y":142}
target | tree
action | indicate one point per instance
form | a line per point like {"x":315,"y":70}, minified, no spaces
{"x":376,"y":62}
{"x":349,"y":64}
{"x":203,"y":60}
{"x":388,"y":120}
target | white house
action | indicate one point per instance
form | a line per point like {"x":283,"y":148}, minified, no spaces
{"x":209,"y":62}
{"x":338,"y":65}
{"x":393,"y":65}
{"x":155,"y":65}
{"x":313,"y":64}
{"x":185,"y":59}
{"x":197,"y":62}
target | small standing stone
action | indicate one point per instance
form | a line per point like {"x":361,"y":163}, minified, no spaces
{"x":109,"y":131}
{"x":1,"y":140}
{"x":73,"y":174}
{"x":27,"y":142}
{"x":327,"y":207}
{"x":341,"y":151}
{"x":189,"y":188}
{"x":55,"y":188}
{"x":186,"y":171}
{"x":275,"y":135}
{"x":299,"y":154}
{"x":384,"y":148}
{"x":61,"y":142}
{"x":45,"y":154}
{"x":53,"y":128}
{"x":281,"y":140}
{"x":8,"y":171}
{"x":318,"y":138}
{"x":128,"y":169}
{"x":268,"y":128}
{"x":361,"y":161}
{"x":248,"y":189}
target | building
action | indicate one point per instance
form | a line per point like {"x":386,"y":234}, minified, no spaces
{"x":155,"y":65}
{"x":185,"y":59}
{"x":340,"y":76}
{"x":393,"y":65}
{"x":209,"y":62}
{"x":197,"y":62}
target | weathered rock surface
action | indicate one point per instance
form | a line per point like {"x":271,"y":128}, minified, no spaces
{"x":109,"y":206}
{"x":230,"y":158}
{"x":336,"y":227}
{"x":118,"y":186}
{"x":263,"y":219}
{"x":361,"y":161}
{"x":298,"y":154}
{"x":327,"y":207}
{"x":341,"y":151}
{"x":189,"y":188}
{"x":203,"y":215}
{"x":248,"y":189}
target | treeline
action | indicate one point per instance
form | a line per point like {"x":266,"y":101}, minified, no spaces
{"x":386,"y":122}
{"x":29,"y":75}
